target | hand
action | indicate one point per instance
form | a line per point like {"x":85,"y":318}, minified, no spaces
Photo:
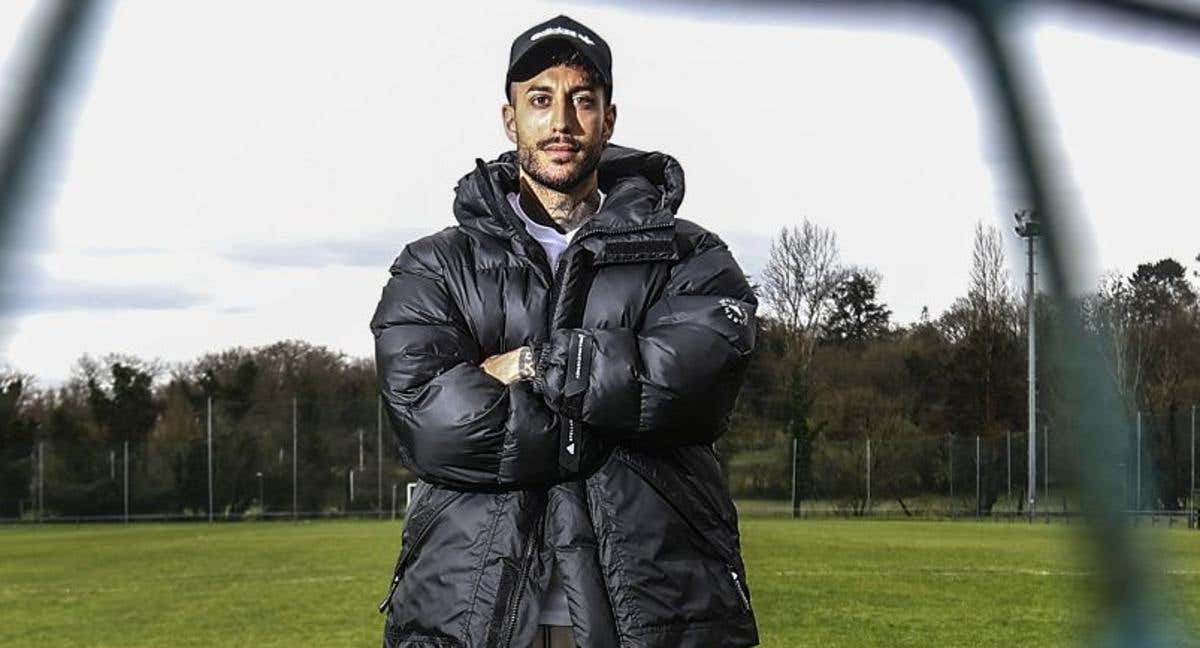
{"x":507,"y":367}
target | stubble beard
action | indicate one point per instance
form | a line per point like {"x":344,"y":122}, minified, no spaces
{"x":527,"y":158}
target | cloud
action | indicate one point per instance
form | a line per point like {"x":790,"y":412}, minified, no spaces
{"x":118,"y":251}
{"x":54,"y":296}
{"x":376,"y":251}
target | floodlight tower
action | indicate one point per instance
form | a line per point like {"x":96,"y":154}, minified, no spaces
{"x":1029,"y":228}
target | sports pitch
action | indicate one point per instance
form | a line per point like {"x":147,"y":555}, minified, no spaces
{"x":814,"y":583}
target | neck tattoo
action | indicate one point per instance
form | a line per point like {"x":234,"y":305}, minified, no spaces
{"x":569,"y":213}
{"x":563,"y":211}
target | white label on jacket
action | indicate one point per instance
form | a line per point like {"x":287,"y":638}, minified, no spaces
{"x":733,"y":310}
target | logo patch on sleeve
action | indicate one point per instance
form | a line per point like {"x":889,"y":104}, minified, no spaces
{"x":733,"y":310}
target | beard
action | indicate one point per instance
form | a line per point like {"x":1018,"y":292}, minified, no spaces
{"x":544,"y":173}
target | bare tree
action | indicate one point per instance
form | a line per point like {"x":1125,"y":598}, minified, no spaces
{"x":1111,"y":315}
{"x":799,"y":282}
{"x":984,"y":327}
{"x":991,"y":291}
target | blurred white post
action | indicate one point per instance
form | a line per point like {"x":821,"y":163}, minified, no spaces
{"x":1008,"y":459}
{"x":868,"y":509}
{"x":978,"y":501}
{"x":1137,"y":495}
{"x":210,"y":481}
{"x":379,"y":458}
{"x":295,"y":448}
{"x":1029,"y":228}
{"x":126,"y":482}
{"x":41,"y":479}
{"x":351,"y":486}
{"x":360,"y":449}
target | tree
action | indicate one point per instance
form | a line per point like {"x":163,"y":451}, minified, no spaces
{"x":798,"y":284}
{"x":121,"y":397}
{"x":855,"y":316}
{"x":1109,"y":314}
{"x":799,"y":281}
{"x":17,"y":432}
{"x":984,"y":377}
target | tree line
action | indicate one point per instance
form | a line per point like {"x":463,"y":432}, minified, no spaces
{"x":831,"y":368}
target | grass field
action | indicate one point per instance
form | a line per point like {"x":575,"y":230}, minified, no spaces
{"x":814,"y":583}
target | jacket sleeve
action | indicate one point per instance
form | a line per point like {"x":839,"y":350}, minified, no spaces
{"x":455,"y":424}
{"x":673,"y":381}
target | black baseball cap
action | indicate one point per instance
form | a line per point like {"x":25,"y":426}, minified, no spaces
{"x":531,"y":47}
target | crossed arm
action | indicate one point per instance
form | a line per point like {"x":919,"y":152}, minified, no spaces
{"x":472,"y":422}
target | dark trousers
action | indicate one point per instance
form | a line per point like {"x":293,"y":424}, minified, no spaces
{"x":553,"y":637}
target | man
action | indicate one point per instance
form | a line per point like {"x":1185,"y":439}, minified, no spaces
{"x":556,"y":368}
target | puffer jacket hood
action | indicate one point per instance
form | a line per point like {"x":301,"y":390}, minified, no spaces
{"x":641,"y":189}
{"x":601,"y":468}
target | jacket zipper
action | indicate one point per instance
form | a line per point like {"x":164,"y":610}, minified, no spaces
{"x":402,"y":560}
{"x":737,"y":585}
{"x":515,"y":606}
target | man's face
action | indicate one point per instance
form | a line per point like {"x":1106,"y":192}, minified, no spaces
{"x":560,"y":126}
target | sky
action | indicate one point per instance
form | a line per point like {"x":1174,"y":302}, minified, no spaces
{"x":235,"y":174}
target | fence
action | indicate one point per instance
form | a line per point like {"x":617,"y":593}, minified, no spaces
{"x":229,"y":461}
{"x":295,"y":459}
{"x":965,"y":475}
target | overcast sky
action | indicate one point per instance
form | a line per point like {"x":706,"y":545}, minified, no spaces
{"x":237,"y":173}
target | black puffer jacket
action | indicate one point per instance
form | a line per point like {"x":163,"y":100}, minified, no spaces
{"x":604,"y":462}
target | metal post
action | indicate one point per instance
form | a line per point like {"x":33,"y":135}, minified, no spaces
{"x":393,"y":501}
{"x":210,"y":474}
{"x":295,"y":464}
{"x":262,"y":503}
{"x":351,"y":486}
{"x":868,"y":508}
{"x":360,"y":449}
{"x":978,"y":501}
{"x":126,"y":482}
{"x":1008,"y":459}
{"x":950,"y":445}
{"x":379,"y":458}
{"x":41,"y":479}
{"x":112,"y":465}
{"x":795,"y":502}
{"x":1137,"y":494}
{"x":1192,"y":490}
{"x":1031,"y":306}
{"x":1046,"y":464}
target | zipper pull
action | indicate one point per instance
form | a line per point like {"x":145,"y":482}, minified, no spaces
{"x":737,"y":584}
{"x":391,"y":592}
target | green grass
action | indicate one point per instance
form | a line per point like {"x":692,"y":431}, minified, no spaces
{"x":814,"y":582}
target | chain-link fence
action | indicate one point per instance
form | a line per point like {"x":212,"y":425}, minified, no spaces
{"x":230,"y":460}
{"x":292,"y":459}
{"x":972,"y":476}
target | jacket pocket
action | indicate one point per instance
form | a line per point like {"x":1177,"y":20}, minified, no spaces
{"x":429,"y":504}
{"x":688,"y":493}
{"x":671,"y":560}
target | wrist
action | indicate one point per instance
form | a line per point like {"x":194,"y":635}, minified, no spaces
{"x":540,"y":353}
{"x":525,"y":363}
